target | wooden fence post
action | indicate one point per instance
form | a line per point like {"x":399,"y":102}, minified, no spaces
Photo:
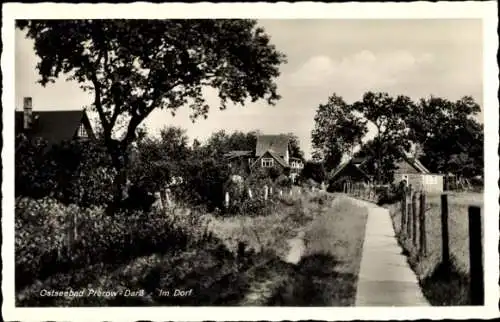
{"x":444,"y":232}
{"x":403,"y":212}
{"x":414,"y":218}
{"x":226,"y":199}
{"x":423,"y":237}
{"x":408,"y":213}
{"x":476,"y":257}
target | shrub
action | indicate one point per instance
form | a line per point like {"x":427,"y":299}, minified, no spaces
{"x":204,"y":182}
{"x":389,"y":194}
{"x":72,"y":172}
{"x":284,"y":181}
{"x":41,"y":231}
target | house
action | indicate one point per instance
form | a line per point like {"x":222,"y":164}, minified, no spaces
{"x":348,"y":171}
{"x":271,"y":151}
{"x":415,"y":173}
{"x":53,"y":126}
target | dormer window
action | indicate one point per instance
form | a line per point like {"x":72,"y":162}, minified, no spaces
{"x":82,"y":132}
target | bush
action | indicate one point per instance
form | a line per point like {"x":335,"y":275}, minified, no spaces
{"x":204,"y":182}
{"x":72,"y":172}
{"x":251,"y":207}
{"x":389,"y":194}
{"x":284,"y":181}
{"x":41,"y":231}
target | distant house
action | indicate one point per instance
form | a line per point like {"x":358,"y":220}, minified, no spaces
{"x":415,"y":173}
{"x":271,"y":151}
{"x":53,"y":126}
{"x":348,"y":171}
{"x":408,"y":169}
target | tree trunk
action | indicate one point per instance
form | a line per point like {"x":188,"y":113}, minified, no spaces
{"x":120,"y":163}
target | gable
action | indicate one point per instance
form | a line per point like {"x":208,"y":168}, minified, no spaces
{"x":270,"y":154}
{"x":348,"y":169}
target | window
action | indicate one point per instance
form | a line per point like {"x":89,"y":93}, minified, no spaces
{"x":267,"y":162}
{"x":82,"y":133}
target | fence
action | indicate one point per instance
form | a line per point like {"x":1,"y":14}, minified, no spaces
{"x":414,"y":229}
{"x":360,"y":190}
{"x":267,"y":193}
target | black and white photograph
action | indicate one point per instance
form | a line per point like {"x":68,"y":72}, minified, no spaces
{"x":243,"y":161}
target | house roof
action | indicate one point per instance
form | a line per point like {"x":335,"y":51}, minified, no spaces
{"x":237,"y":153}
{"x":342,"y":166}
{"x":277,"y":158}
{"x":415,"y":163}
{"x":278,"y":144}
{"x":359,"y":160}
{"x":53,"y":126}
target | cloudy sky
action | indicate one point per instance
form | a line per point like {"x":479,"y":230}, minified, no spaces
{"x":417,"y":58}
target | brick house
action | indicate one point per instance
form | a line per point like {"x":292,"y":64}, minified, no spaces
{"x":271,"y":151}
{"x":53,"y":126}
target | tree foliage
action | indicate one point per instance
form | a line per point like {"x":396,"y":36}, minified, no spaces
{"x":295,"y":150}
{"x":445,"y":135}
{"x":337,"y":130}
{"x":315,"y":171}
{"x":132,"y":67}
{"x":449,"y":137}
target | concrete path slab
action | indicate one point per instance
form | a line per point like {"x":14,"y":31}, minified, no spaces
{"x":385,"y":278}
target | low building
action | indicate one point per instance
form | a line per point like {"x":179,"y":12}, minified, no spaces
{"x":415,"y":173}
{"x":348,"y":172}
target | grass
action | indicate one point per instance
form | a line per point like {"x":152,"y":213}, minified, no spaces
{"x":327,"y":273}
{"x":442,"y":287}
{"x":211,"y":269}
{"x":269,"y":232}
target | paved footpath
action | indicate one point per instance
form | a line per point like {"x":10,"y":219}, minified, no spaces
{"x":385,"y":278}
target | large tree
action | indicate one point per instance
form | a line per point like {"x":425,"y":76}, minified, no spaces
{"x":337,"y":131}
{"x":449,"y":137}
{"x":132,"y":67}
{"x":341,"y":128}
{"x":388,"y":116}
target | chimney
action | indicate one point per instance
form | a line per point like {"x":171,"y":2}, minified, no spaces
{"x":27,"y":109}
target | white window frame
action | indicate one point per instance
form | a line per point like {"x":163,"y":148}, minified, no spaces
{"x":82,"y":131}
{"x":267,"y":162}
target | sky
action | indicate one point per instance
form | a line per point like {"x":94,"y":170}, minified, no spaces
{"x":418,"y":58}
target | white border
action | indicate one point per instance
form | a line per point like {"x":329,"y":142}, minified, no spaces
{"x":482,"y":10}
